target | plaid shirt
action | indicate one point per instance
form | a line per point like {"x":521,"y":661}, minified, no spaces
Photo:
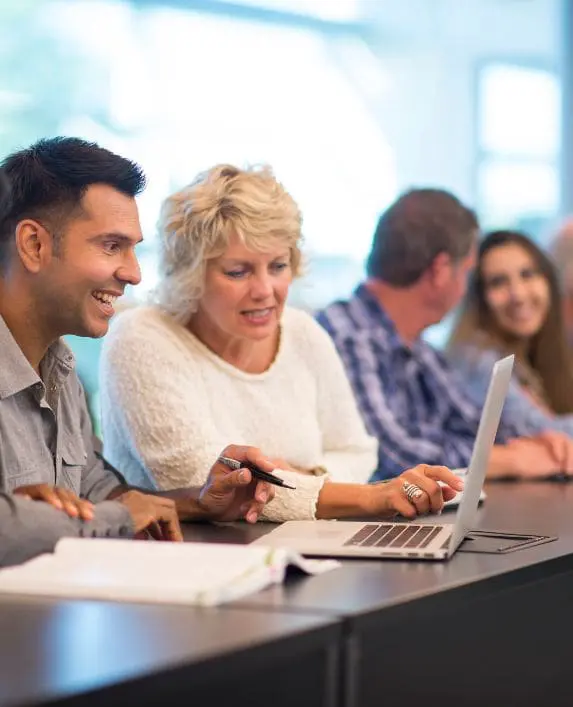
{"x":410,"y":399}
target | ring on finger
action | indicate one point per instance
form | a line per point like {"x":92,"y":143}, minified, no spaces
{"x":412,"y":491}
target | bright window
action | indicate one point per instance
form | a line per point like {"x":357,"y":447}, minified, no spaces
{"x":179,"y":91}
{"x":519,"y":111}
{"x":336,"y":10}
{"x":518,"y":147}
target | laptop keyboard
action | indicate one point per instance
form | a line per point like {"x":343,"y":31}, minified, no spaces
{"x":395,"y":535}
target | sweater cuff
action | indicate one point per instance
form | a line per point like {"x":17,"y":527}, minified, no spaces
{"x":297,"y":504}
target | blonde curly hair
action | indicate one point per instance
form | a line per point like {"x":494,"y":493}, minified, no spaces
{"x":197,"y":222}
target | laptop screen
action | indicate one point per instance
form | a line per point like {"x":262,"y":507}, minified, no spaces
{"x":485,"y":438}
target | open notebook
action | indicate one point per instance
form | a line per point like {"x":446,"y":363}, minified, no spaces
{"x":161,"y":572}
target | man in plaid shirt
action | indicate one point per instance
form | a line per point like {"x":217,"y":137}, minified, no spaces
{"x":411,"y":400}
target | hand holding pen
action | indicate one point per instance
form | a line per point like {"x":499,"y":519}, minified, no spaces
{"x":233,"y":494}
{"x":256,"y":471}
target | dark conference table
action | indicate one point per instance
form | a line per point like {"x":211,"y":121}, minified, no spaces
{"x":477,"y":630}
{"x":97,"y":653}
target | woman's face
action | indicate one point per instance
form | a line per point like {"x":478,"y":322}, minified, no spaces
{"x":246,"y":290}
{"x":515,"y":290}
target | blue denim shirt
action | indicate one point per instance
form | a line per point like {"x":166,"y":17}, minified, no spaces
{"x":475,"y":365}
{"x":410,"y":398}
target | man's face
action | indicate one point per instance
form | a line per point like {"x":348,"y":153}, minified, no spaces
{"x":450,"y":282}
{"x":94,"y":261}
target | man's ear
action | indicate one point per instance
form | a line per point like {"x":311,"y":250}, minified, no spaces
{"x":440,"y":270}
{"x":33,"y":245}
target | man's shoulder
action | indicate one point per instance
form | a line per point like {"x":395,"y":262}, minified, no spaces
{"x":345,"y":318}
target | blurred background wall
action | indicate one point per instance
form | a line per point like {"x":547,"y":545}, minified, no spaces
{"x":351,"y":101}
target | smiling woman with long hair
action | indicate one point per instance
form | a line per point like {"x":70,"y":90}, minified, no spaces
{"x":513,"y":305}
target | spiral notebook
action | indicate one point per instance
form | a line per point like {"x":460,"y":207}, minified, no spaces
{"x":159,"y":572}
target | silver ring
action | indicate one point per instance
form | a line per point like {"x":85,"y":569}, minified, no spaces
{"x":411,"y":490}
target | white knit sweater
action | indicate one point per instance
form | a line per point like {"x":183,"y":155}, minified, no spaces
{"x":170,"y":406}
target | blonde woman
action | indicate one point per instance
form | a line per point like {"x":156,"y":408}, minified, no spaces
{"x":220,"y":357}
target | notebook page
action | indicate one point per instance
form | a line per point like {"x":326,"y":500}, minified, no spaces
{"x":126,"y":570}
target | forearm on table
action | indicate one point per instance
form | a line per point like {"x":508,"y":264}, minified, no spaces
{"x":502,"y":462}
{"x":341,"y":500}
{"x":29,"y":528}
{"x":186,"y":500}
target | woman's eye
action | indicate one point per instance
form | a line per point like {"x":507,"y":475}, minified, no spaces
{"x":279,"y":266}
{"x":235,"y":274}
{"x":495,"y":282}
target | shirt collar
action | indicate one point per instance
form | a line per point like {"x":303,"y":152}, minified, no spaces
{"x":16,"y":373}
{"x":379,"y":319}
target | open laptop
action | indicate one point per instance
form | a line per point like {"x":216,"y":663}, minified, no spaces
{"x":407,"y":540}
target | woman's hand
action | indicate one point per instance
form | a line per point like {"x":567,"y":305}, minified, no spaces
{"x":62,"y":499}
{"x":417,"y":491}
{"x":230,"y":495}
{"x":561,"y":447}
{"x":539,"y":457}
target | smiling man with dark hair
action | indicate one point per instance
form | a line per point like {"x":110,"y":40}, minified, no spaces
{"x":67,"y":251}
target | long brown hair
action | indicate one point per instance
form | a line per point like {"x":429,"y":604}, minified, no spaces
{"x":548,"y":355}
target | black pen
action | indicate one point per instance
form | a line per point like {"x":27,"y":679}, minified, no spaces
{"x":255,"y":471}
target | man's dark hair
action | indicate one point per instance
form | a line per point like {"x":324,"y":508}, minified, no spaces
{"x":4,"y":195}
{"x":417,"y":227}
{"x":49,"y":179}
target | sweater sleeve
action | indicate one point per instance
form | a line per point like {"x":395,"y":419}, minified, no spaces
{"x":153,"y":410}
{"x":349,"y":453}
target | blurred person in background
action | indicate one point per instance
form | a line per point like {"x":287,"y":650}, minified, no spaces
{"x":513,"y":306}
{"x":561,"y":250}
{"x":411,"y":399}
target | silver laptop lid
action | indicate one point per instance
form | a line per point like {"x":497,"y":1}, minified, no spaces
{"x":485,"y":438}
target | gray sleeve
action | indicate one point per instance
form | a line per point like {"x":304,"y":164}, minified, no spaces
{"x":29,"y":528}
{"x":99,"y":478}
